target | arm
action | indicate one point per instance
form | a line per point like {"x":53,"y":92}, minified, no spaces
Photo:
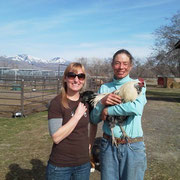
{"x":63,"y":131}
{"x":96,"y":113}
{"x":109,"y":99}
{"x":130,"y":108}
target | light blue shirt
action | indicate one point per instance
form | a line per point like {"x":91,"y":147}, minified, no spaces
{"x":134,"y":110}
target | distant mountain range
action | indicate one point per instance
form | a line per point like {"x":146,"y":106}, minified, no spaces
{"x":32,"y":59}
{"x":27,"y":61}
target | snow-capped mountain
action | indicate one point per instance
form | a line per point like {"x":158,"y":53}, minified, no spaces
{"x":26,"y":61}
{"x":31,"y":59}
{"x":58,"y":60}
{"x":27,"y":58}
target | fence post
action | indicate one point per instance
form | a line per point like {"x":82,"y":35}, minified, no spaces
{"x":22,"y":96}
{"x":43,"y":87}
{"x":58,"y":86}
{"x":34,"y":84}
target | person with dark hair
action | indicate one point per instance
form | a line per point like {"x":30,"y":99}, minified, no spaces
{"x":125,"y":160}
{"x":68,"y":120}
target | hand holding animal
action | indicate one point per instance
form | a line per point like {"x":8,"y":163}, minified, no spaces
{"x":127,"y":92}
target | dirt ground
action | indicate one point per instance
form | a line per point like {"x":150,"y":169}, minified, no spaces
{"x":161,"y":126}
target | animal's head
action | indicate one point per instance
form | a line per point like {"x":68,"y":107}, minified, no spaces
{"x":139,"y":85}
{"x":87,"y":97}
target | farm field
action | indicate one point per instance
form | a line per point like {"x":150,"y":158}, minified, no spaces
{"x":25,"y":143}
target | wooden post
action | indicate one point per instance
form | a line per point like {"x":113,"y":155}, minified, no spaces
{"x":34,"y":83}
{"x":43,"y":87}
{"x":22,"y":96}
{"x":58,"y":86}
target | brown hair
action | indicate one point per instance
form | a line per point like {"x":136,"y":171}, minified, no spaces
{"x":123,"y":51}
{"x":73,"y":67}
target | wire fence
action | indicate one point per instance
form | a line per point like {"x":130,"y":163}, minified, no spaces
{"x":28,"y":95}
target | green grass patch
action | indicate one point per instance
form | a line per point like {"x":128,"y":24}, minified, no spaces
{"x":164,"y":94}
{"x":23,"y":141}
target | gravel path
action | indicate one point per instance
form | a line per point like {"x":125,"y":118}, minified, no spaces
{"x":161,"y":125}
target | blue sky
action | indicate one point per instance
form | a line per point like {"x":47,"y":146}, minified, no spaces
{"x":81,"y":28}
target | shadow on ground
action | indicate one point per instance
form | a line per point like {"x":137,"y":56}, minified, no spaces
{"x":17,"y":173}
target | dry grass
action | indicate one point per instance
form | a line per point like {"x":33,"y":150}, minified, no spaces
{"x":25,"y":143}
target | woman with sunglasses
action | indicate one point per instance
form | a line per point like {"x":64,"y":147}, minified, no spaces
{"x":68,"y":120}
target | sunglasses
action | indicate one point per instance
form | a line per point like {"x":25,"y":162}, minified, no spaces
{"x":72,"y":76}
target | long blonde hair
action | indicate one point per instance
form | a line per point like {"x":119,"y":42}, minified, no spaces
{"x":72,"y":67}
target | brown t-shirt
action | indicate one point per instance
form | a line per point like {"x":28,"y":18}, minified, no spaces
{"x":73,"y":150}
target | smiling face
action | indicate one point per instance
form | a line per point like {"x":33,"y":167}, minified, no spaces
{"x":74,"y":79}
{"x":74,"y":84}
{"x":121,"y":66}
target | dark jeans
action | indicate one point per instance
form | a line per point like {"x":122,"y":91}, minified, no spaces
{"x":81,"y":172}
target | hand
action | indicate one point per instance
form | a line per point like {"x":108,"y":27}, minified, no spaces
{"x":111,"y":99}
{"x":81,"y":109}
{"x":104,"y":114}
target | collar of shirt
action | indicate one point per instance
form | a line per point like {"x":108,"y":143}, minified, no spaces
{"x":121,"y":81}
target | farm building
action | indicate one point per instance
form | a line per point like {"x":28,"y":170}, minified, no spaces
{"x":2,"y":69}
{"x":168,"y":82}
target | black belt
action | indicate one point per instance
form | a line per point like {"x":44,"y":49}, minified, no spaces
{"x":123,"y":140}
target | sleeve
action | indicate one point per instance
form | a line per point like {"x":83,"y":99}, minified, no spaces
{"x":54,"y":124}
{"x":54,"y":117}
{"x":55,"y":110}
{"x":130,"y":108}
{"x":96,"y":112}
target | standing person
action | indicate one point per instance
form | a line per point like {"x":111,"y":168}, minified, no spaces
{"x":68,"y":120}
{"x":127,"y":160}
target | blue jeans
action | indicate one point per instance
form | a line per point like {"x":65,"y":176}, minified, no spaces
{"x":81,"y":172}
{"x":125,"y":162}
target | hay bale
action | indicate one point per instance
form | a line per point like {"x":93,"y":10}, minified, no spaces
{"x":176,"y":85}
{"x":170,"y":82}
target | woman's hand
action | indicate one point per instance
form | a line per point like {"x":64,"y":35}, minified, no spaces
{"x":67,"y":128}
{"x":111,"y":99}
{"x":81,"y":109}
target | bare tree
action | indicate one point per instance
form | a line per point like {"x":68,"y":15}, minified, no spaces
{"x":83,"y":61}
{"x":96,"y":66}
{"x":166,"y":59}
